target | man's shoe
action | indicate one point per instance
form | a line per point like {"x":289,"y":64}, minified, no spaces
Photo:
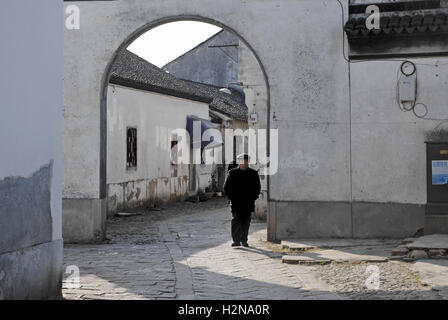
{"x":245,"y":244}
{"x":235,"y":244}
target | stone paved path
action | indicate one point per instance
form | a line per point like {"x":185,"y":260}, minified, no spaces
{"x":183,"y":252}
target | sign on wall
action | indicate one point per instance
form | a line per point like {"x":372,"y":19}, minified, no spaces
{"x":440,"y":172}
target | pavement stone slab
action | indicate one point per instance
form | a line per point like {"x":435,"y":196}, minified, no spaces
{"x":433,"y":273}
{"x":433,"y":241}
{"x":304,"y":260}
{"x":329,"y":243}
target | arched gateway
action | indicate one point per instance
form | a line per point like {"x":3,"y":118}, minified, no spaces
{"x":289,"y":39}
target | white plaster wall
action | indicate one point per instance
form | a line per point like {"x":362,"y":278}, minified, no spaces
{"x":388,"y":145}
{"x":255,"y":89}
{"x":155,"y":116}
{"x":254,"y":85}
{"x":310,"y":104}
{"x":31,"y":92}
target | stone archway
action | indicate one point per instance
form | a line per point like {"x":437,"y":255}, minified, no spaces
{"x":247,"y":53}
{"x":85,"y":217}
{"x":299,"y":44}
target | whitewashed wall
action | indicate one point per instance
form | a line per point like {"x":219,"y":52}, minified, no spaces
{"x":30,"y":149}
{"x":155,"y":116}
{"x":388,"y":145}
{"x":255,"y":89}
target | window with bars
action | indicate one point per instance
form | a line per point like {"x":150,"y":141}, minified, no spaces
{"x":174,"y":151}
{"x":131,"y":149}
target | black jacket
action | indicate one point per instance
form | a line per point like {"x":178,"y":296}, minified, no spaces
{"x":242,"y":188}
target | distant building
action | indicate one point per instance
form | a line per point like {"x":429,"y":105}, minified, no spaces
{"x":214,"y":61}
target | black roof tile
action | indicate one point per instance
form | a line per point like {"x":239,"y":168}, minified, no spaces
{"x":397,"y":23}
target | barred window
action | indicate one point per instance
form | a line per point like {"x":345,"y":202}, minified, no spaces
{"x":174,"y":152}
{"x":131,"y":149}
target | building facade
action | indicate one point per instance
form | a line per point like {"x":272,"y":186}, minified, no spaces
{"x":214,"y":61}
{"x":152,"y":179}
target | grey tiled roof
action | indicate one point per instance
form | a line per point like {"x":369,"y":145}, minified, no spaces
{"x":130,"y":70}
{"x":399,"y":24}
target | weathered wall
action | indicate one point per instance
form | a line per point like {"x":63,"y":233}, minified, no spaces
{"x":155,"y":116}
{"x":310,"y":109}
{"x":388,"y":145}
{"x":30,"y":148}
{"x":387,"y":157}
{"x":388,"y":148}
{"x":309,"y":106}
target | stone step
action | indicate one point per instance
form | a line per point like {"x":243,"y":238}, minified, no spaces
{"x":329,"y":243}
{"x":434,"y":241}
{"x":304,"y":260}
{"x":331,"y":255}
{"x":400,"y":251}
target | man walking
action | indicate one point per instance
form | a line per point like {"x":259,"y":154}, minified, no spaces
{"x":242,"y":188}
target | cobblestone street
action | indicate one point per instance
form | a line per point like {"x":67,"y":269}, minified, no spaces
{"x":183,"y":252}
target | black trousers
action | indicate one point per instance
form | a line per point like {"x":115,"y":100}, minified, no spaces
{"x":240,"y":226}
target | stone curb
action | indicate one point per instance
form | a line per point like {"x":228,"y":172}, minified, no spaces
{"x":304,"y":260}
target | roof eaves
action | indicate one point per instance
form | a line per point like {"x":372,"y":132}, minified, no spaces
{"x":114,"y":79}
{"x":401,"y":24}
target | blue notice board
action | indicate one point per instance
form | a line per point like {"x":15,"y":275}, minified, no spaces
{"x":440,"y":172}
